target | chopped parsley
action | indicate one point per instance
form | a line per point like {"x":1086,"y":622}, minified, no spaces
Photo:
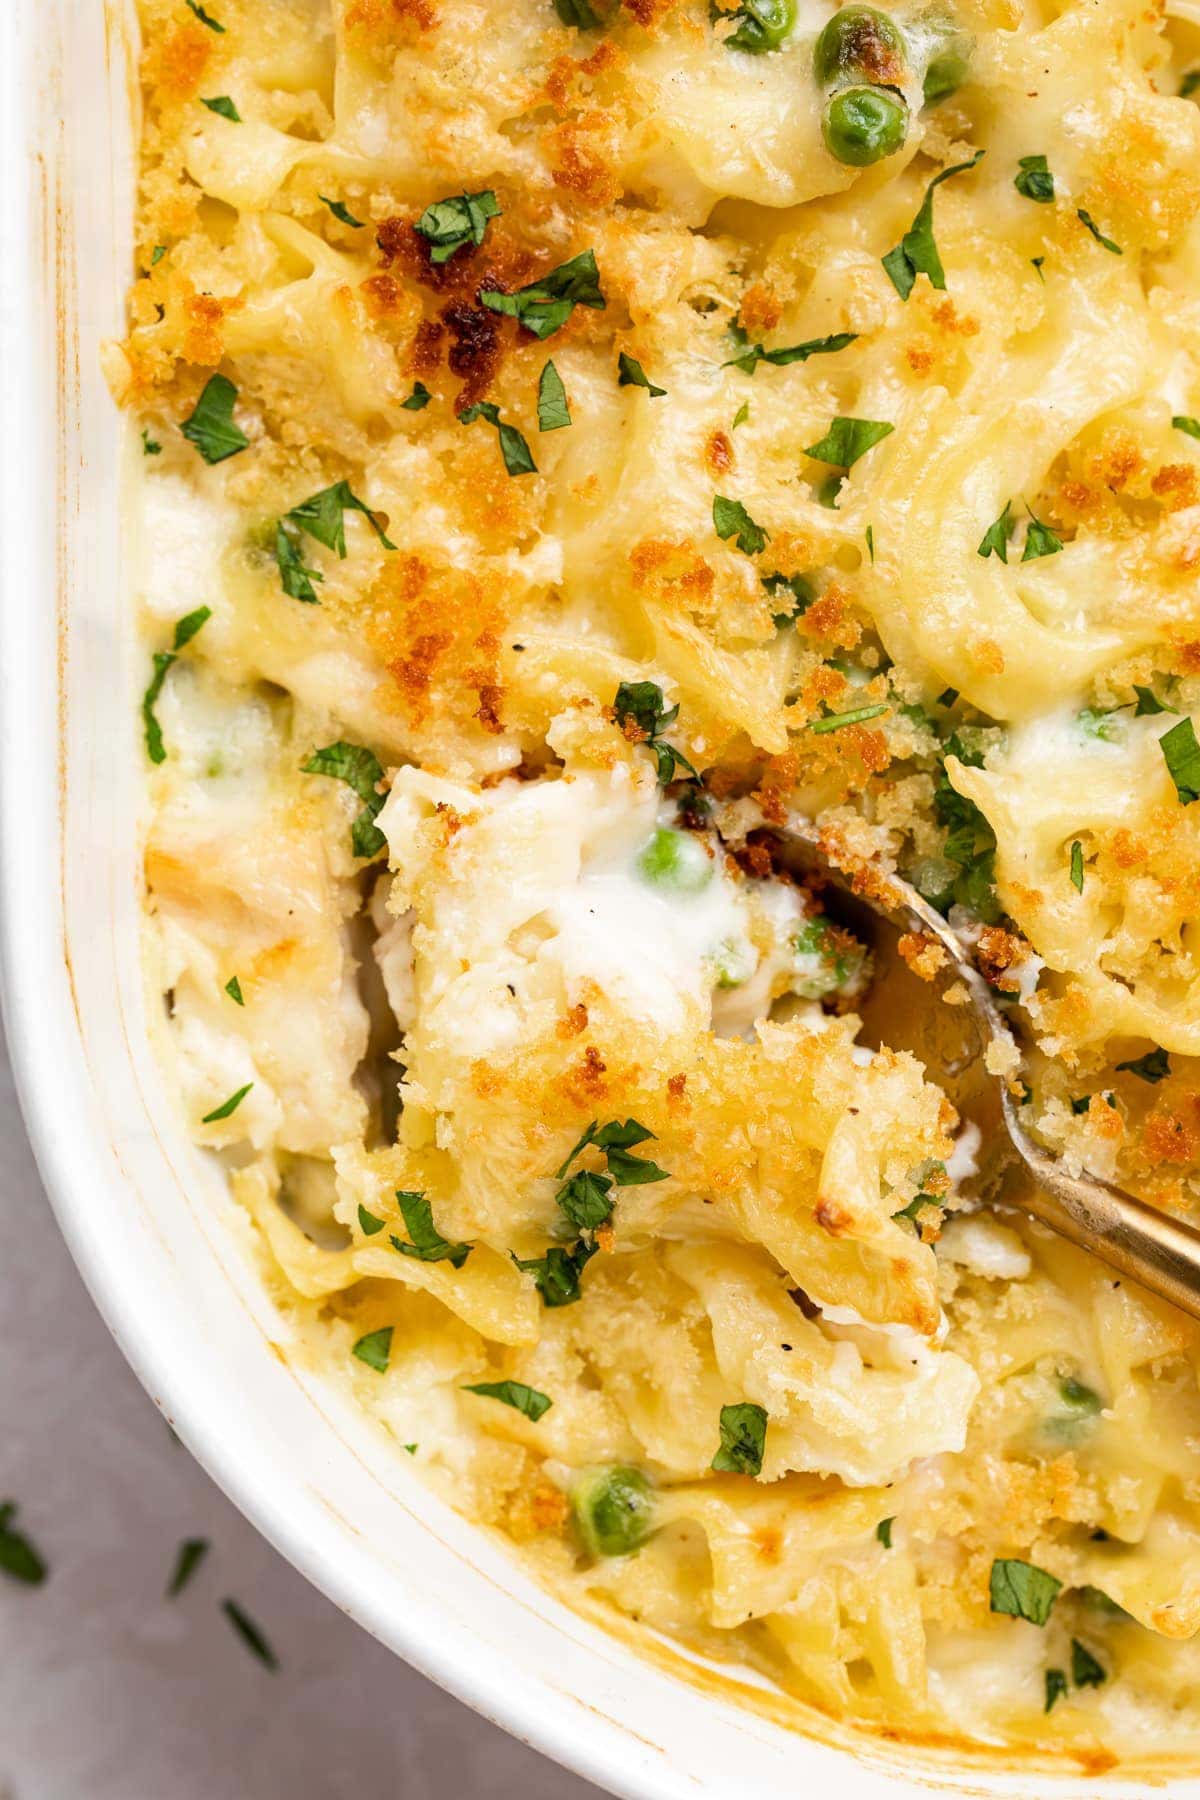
{"x":526,"y":1400}
{"x":630,"y":373}
{"x":210,"y":424}
{"x":870,"y":537}
{"x":322,"y":516}
{"x":741,"y":415}
{"x":857,"y":715}
{"x":800,"y":591}
{"x":362,"y":772}
{"x":375,"y":1349}
{"x":847,"y":440}
{"x":1148,"y":702}
{"x":1056,"y":1687}
{"x":450,"y":225}
{"x":749,"y":358}
{"x":883,"y":1531}
{"x":994,"y":541}
{"x":1154,"y":1067}
{"x":222,"y":104}
{"x":947,"y":697}
{"x":369,"y":1221}
{"x":1086,"y":218}
{"x":556,"y":1274}
{"x":157,"y":254}
{"x":616,"y":1141}
{"x":1182,"y":422}
{"x":1085,"y":1670}
{"x":578,"y":13}
{"x":228,"y":1107}
{"x":554,"y":414}
{"x":1035,"y":181}
{"x":233,"y":988}
{"x":970,"y":841}
{"x":743,"y":1438}
{"x":426,"y":1242}
{"x":1181,"y":753}
{"x":1039,"y":541}
{"x":1077,"y":865}
{"x":518,"y":458}
{"x":340,"y":212}
{"x":418,"y":400}
{"x":250,"y":1634}
{"x":917,"y":253}
{"x":18,"y":1556}
{"x":584,"y":1199}
{"x":1189,"y":84}
{"x":544,"y":306}
{"x":1022,"y":1590}
{"x":194,"y":6}
{"x":731,"y":520}
{"x":149,"y":446}
{"x":640,"y":704}
{"x":188,"y":1557}
{"x":185,"y":630}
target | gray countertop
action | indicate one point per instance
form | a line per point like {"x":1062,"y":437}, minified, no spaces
{"x":111,"y":1691}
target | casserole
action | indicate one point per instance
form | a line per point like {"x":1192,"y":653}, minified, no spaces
{"x":160,"y":1244}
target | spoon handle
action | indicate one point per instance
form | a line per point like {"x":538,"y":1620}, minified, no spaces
{"x":1153,"y":1248}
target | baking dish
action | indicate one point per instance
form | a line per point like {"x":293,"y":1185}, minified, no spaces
{"x":149,"y":1221}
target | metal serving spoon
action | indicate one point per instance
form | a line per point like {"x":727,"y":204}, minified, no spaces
{"x":1149,"y":1246}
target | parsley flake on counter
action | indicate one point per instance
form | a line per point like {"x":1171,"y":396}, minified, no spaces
{"x":18,"y":1556}
{"x":1181,"y":753}
{"x":554,"y":414}
{"x":340,"y":212}
{"x":233,"y":988}
{"x":1154,"y":1067}
{"x":369,"y":1221}
{"x":731,"y":520}
{"x":375,"y":1349}
{"x":1022,"y":1590}
{"x":526,"y":1400}
{"x":857,"y":715}
{"x":210,"y":424}
{"x":917,"y":253}
{"x":1077,"y":865}
{"x":1056,"y":1687}
{"x":188,"y":1557}
{"x":1086,"y":218}
{"x":630,"y":373}
{"x":228,"y":1107}
{"x":194,"y":6}
{"x":426,"y":1242}
{"x":640,"y":704}
{"x":450,"y":225}
{"x":418,"y":400}
{"x":1039,"y":541}
{"x":185,"y":630}
{"x":556,"y":1275}
{"x":847,"y":440}
{"x":1035,"y":181}
{"x":748,"y":359}
{"x":883,"y":1531}
{"x":994,"y":541}
{"x":743,"y":1439}
{"x":1085,"y":1670}
{"x":149,"y":446}
{"x":250,"y":1634}
{"x":518,"y":457}
{"x":362,"y":772}
{"x":223,"y":105}
{"x":544,"y":306}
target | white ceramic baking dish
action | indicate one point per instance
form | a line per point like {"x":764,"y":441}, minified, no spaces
{"x":145,"y":1215}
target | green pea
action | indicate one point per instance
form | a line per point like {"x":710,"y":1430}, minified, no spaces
{"x":860,"y":45}
{"x":945,"y":74}
{"x":762,"y":24}
{"x":864,"y":124}
{"x":676,"y":859}
{"x":826,"y":960}
{"x":614,"y":1510}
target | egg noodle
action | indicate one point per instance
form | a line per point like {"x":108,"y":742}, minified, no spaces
{"x":576,"y":438}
